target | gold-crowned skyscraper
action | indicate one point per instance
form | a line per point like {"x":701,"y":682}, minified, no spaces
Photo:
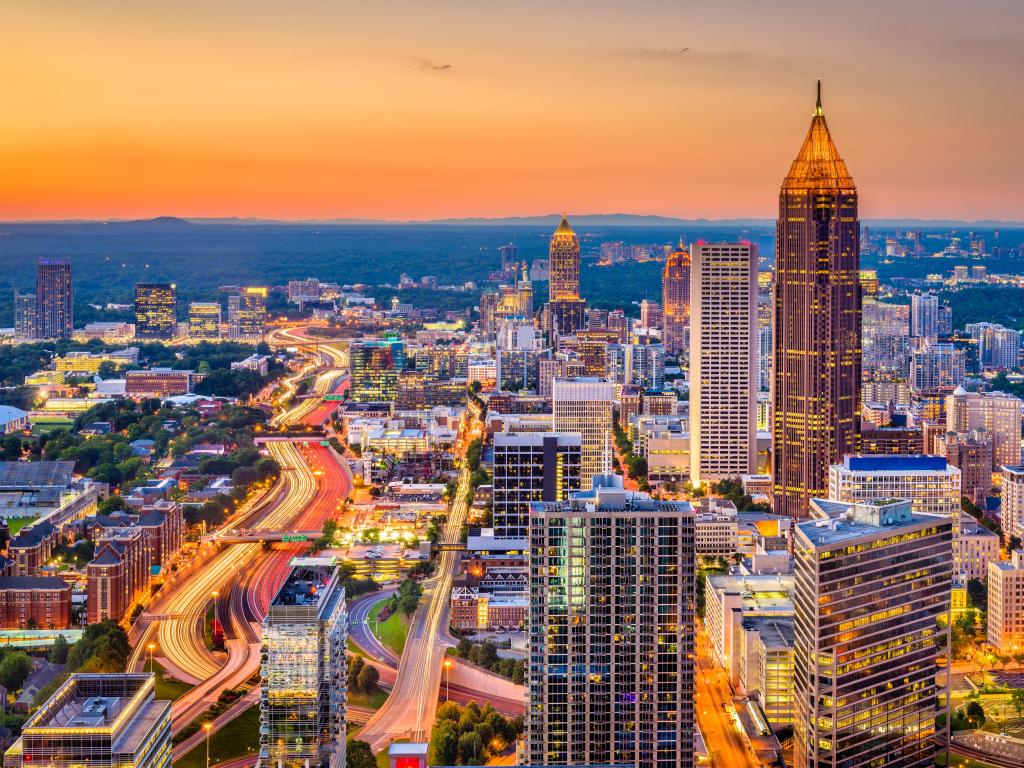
{"x":565,"y":305}
{"x":675,"y":299}
{"x":817,"y":322}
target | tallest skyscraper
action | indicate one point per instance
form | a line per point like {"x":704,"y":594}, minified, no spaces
{"x":817,"y":321}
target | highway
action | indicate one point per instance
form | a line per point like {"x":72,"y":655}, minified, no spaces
{"x":409,"y":711}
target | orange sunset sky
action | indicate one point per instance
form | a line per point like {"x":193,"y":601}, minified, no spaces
{"x":399,"y":110}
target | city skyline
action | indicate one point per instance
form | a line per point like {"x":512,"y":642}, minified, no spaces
{"x":255,"y":112}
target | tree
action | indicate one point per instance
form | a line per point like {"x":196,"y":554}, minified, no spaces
{"x":1017,"y":700}
{"x":444,"y":746}
{"x":354,"y":668}
{"x":368,"y":677}
{"x":59,"y":651}
{"x":359,"y":755}
{"x":1014,"y":543}
{"x":471,"y":749}
{"x":975,"y":714}
{"x":14,"y":670}
{"x":977,"y":593}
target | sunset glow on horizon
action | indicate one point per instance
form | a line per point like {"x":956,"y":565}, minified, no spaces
{"x":451,"y":109}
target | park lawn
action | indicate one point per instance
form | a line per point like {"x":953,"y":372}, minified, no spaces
{"x":15,"y":524}
{"x":373,"y":700}
{"x":239,"y":737}
{"x":167,"y":687}
{"x":393,"y":631}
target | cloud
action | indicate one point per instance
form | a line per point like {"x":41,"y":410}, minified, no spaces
{"x":433,"y":66}
{"x":658,"y":52}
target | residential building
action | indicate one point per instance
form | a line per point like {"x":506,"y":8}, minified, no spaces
{"x":766,"y":652}
{"x":1006,"y":604}
{"x":865,"y":648}
{"x":971,"y":453}
{"x":998,"y":346}
{"x":974,"y":547}
{"x":156,"y":306}
{"x":1012,"y":511}
{"x":54,"y":299}
{"x":608,"y":683}
{"x":531,"y":468}
{"x":998,"y":413}
{"x":928,"y":482}
{"x":472,"y":609}
{"x":585,"y":406}
{"x":97,"y":721}
{"x":716,"y":530}
{"x":936,"y":368}
{"x":247,"y":315}
{"x":34,"y":602}
{"x":817,"y":366}
{"x":638,"y":365}
{"x":924,"y":316}
{"x":303,"y":676}
{"x":24,"y":316}
{"x":204,"y":319}
{"x":723,"y":362}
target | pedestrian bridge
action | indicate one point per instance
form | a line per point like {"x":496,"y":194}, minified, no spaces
{"x":250,"y":535}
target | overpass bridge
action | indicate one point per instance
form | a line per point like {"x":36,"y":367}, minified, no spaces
{"x":251,"y":536}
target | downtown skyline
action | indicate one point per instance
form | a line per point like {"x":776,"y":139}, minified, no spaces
{"x":677,"y":111}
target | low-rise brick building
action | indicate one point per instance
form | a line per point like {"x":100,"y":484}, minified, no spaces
{"x":42,"y":602}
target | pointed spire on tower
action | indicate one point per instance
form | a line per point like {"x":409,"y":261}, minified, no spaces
{"x":563,"y":227}
{"x":818,"y":165}
{"x":817,"y":109}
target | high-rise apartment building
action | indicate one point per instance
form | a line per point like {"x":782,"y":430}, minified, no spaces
{"x":54,"y":299}
{"x":723,"y":362}
{"x":1006,"y":604}
{"x":509,"y":254}
{"x":924,"y":316}
{"x":928,"y":482}
{"x":817,"y":367}
{"x":675,"y":299}
{"x":156,"y":308}
{"x":998,"y":346}
{"x":871,"y":581}
{"x":998,"y":413}
{"x":531,"y":468}
{"x":1012,"y":508}
{"x":304,"y":671}
{"x":24,"y":316}
{"x":204,"y":320}
{"x":374,"y":365}
{"x":937,"y":368}
{"x":247,"y":315}
{"x":639,"y":365}
{"x":611,"y":630}
{"x":567,"y":309}
{"x":97,"y":721}
{"x":585,"y":406}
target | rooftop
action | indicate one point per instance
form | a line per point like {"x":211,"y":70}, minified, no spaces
{"x":841,"y":521}
{"x":895,"y":463}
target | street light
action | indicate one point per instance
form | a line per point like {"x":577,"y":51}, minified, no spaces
{"x":447,"y":666}
{"x":151,"y":647}
{"x":207,"y":727}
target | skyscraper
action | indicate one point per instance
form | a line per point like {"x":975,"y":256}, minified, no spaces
{"x":924,"y":316}
{"x":247,"y":315}
{"x":611,"y":630}
{"x":303,"y":674}
{"x":723,"y":362}
{"x":529,"y":468}
{"x":374,"y":366}
{"x":204,"y":320}
{"x":566,"y":308}
{"x":24,"y":316}
{"x":585,"y":406}
{"x":54,"y":299}
{"x":871,"y":580}
{"x":675,"y":299}
{"x":156,"y":306}
{"x":817,"y":321}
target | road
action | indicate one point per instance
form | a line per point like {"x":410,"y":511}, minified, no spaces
{"x":724,"y":744}
{"x":409,"y":711}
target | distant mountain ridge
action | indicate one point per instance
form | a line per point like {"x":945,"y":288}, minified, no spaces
{"x":545,"y":220}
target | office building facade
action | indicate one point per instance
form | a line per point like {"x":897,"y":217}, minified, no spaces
{"x":204,"y":319}
{"x":817,"y":367}
{"x":675,"y":300}
{"x":156,"y":307}
{"x":1012,"y":510}
{"x":303,"y":675}
{"x":723,"y":362}
{"x":611,"y":630}
{"x":997,"y":413}
{"x":928,"y":482}
{"x":374,"y":366}
{"x":865,"y":647}
{"x":531,"y":468}
{"x":567,"y":310}
{"x":247,"y":315}
{"x":585,"y":406}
